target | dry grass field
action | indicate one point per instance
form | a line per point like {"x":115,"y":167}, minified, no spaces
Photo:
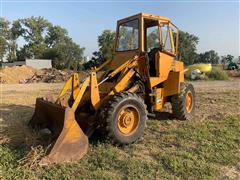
{"x":206,"y":147}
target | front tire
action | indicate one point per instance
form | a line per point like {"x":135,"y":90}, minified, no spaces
{"x":183,"y":104}
{"x":125,"y":118}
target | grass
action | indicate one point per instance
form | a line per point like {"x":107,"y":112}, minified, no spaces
{"x":169,"y":149}
{"x":217,"y":74}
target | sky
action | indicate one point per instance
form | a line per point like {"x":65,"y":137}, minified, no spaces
{"x":215,"y":22}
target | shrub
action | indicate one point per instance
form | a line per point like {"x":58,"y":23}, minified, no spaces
{"x":237,"y":73}
{"x":217,"y":74}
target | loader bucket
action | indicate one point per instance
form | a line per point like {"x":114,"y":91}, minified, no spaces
{"x":71,"y":143}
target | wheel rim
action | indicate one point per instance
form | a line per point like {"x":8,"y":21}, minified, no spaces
{"x":128,"y":120}
{"x":189,"y":101}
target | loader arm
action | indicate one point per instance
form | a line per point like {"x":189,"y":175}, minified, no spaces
{"x":78,"y":92}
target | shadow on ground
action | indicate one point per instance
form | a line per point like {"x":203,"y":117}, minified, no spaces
{"x":14,"y":120}
{"x":16,"y":134}
{"x":161,"y":116}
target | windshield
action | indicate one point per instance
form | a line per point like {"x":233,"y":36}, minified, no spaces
{"x":128,"y":36}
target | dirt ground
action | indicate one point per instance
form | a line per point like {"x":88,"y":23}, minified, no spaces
{"x":215,"y":100}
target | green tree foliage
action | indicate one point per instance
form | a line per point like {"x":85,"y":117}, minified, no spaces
{"x":32,"y":30}
{"x":96,"y":60}
{"x":4,"y":37}
{"x":55,"y":35}
{"x":208,"y":57}
{"x":227,"y":59}
{"x":12,"y":51}
{"x":15,"y":32}
{"x":42,"y":40}
{"x":105,"y":44}
{"x":187,"y":47}
{"x":8,"y":37}
{"x":64,"y":52}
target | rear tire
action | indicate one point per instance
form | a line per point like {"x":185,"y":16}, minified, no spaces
{"x":183,"y":104}
{"x":125,"y":118}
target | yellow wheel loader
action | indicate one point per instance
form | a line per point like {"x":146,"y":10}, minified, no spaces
{"x":141,"y":77}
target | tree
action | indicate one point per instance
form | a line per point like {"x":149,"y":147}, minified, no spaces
{"x":12,"y":51}
{"x":33,"y":30}
{"x":227,"y":59}
{"x":69,"y":55}
{"x":105,"y":52}
{"x":8,"y":37}
{"x":105,"y":43}
{"x":14,"y":32}
{"x":66,"y":54}
{"x":96,"y":60}
{"x":55,"y":35}
{"x":208,"y":57}
{"x":187,"y":47}
{"x":62,"y":50}
{"x":4,"y":37}
{"x":44,"y":40}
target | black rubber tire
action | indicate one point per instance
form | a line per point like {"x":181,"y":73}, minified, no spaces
{"x":110,"y":119}
{"x":179,"y":100}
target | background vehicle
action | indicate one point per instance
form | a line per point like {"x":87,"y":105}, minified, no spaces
{"x":232,"y":66}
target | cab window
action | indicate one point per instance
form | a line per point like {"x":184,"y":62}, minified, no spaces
{"x":128,"y":36}
{"x":152,"y":38}
{"x":166,"y":38}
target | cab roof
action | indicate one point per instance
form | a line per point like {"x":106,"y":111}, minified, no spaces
{"x":144,"y":15}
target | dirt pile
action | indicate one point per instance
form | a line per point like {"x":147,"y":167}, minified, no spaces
{"x":48,"y":76}
{"x":15,"y":74}
{"x":234,"y":73}
{"x":26,"y":74}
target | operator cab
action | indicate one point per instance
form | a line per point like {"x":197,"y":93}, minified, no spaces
{"x":158,"y":38}
{"x":145,"y":33}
